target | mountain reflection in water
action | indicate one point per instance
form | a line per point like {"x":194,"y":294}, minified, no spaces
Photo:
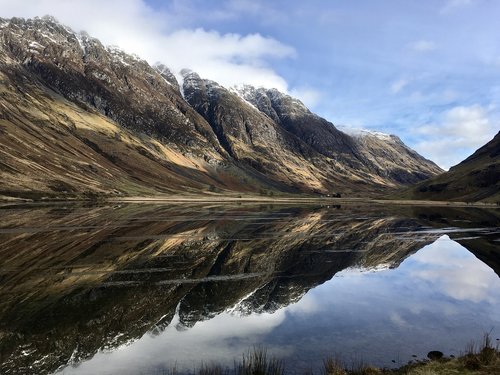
{"x":129,"y":288}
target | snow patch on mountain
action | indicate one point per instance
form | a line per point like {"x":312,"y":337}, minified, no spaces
{"x":361,"y":133}
{"x":244,"y":92}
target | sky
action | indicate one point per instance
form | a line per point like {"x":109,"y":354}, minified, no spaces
{"x":425,"y":70}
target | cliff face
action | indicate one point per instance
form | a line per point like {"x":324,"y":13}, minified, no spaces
{"x":80,"y":118}
{"x":477,"y":178}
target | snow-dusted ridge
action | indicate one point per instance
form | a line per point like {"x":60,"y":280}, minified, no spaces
{"x":243,"y":92}
{"x":360,"y":133}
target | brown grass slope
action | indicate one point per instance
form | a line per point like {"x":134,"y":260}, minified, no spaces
{"x":53,"y":148}
{"x":477,"y":178}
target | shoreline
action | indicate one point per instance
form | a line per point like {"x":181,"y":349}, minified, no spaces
{"x":476,"y":359}
{"x":215,"y":199}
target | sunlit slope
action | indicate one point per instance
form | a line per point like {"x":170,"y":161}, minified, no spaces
{"x":53,"y":147}
{"x":477,"y":178}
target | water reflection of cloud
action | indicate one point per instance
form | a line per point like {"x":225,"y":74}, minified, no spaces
{"x":400,"y":312}
{"x":306,"y":306}
{"x":398,"y":320}
{"x":439,"y":298}
{"x":455,"y":271}
{"x":224,"y":337}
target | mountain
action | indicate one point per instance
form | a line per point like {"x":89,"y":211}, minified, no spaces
{"x":477,"y":178}
{"x":391,"y":158}
{"x":81,"y":119}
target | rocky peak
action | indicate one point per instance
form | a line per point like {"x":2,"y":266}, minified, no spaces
{"x":258,"y":98}
{"x":192,"y":80}
{"x":362,"y":133}
{"x":291,"y":114}
{"x":167,"y":75}
{"x":200,"y":92}
{"x":287,"y":104}
{"x":272,"y":102}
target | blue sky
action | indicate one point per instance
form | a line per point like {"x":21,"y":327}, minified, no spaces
{"x":427,"y":71}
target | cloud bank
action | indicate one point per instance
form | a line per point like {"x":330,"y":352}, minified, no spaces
{"x":461,"y":128}
{"x":157,"y":36}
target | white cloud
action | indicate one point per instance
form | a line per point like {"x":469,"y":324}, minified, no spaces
{"x":455,"y":271}
{"x":157,"y":36}
{"x":228,"y":59}
{"x":188,"y":11}
{"x":451,"y":5}
{"x":398,"y":85}
{"x":309,"y":96}
{"x":461,"y":129}
{"x":423,"y":46}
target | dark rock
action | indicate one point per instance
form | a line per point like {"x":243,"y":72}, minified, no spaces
{"x":435,"y":355}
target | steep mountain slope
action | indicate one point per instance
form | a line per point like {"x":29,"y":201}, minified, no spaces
{"x":253,"y":139}
{"x":378,"y":154}
{"x":78,"y":118}
{"x":477,"y":178}
{"x":270,"y":129}
{"x":292,"y":115}
{"x":391,"y":158}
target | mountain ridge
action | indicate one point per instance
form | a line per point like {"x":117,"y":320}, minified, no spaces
{"x":139,"y":125}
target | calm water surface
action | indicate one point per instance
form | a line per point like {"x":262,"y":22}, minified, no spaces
{"x":130,"y":289}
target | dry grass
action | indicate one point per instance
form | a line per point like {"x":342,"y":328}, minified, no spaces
{"x":479,"y":358}
{"x":257,"y":362}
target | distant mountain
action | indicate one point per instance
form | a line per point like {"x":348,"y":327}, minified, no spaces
{"x":477,"y":178}
{"x":391,"y":158}
{"x":81,"y":119}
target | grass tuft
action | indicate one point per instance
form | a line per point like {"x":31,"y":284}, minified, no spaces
{"x":333,"y":366}
{"x":257,"y":362}
{"x":213,"y":369}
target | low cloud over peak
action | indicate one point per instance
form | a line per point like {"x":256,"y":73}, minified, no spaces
{"x":228,"y":58}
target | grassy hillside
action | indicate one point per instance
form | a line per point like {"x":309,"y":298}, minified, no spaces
{"x":477,"y":178}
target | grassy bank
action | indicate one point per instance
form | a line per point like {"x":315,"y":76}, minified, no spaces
{"x":481,"y":358}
